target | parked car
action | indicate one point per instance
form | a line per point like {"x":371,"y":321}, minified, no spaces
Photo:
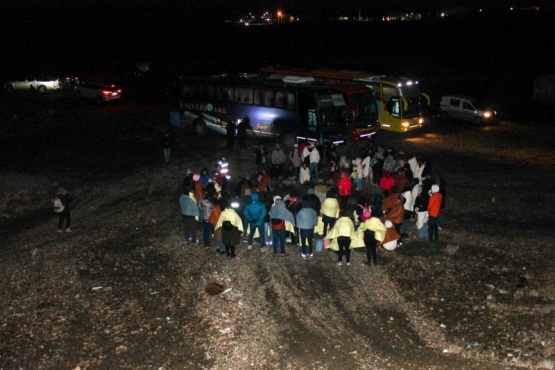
{"x":101,"y":92}
{"x":41,"y":84}
{"x":466,"y":109}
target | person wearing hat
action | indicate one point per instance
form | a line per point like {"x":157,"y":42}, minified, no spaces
{"x":434,"y":208}
{"x":63,"y":211}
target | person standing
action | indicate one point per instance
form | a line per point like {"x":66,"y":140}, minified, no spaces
{"x":244,"y":125}
{"x":166,"y":147}
{"x":330,"y":211}
{"x":61,"y":207}
{"x":281,"y":219}
{"x":255,"y":214}
{"x":373,"y":232}
{"x":345,"y":185}
{"x":206,"y":205}
{"x":306,"y":221}
{"x":434,"y":208}
{"x":343,"y":232}
{"x":296,"y":159}
{"x":190,"y":213}
{"x":230,"y":133}
{"x":304,"y":174}
{"x":261,"y":154}
{"x":314,"y":161}
{"x":231,"y":236}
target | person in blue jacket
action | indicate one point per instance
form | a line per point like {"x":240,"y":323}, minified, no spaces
{"x":307,"y":219}
{"x":255,"y":215}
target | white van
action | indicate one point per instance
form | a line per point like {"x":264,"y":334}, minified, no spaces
{"x":466,"y":109}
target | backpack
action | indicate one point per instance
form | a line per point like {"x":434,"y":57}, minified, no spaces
{"x":58,"y":205}
{"x":366,"y":213}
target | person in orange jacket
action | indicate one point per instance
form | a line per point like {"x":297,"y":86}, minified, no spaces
{"x":434,"y":208}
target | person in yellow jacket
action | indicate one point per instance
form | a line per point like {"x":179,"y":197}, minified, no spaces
{"x":372,"y":231}
{"x":329,"y":211}
{"x":342,"y":233}
{"x":228,"y":214}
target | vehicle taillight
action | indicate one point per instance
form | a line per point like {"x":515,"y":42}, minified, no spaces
{"x":107,"y":92}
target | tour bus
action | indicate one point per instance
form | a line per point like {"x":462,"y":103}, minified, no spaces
{"x":363,"y":108}
{"x":400,"y":101}
{"x":283,"y":112}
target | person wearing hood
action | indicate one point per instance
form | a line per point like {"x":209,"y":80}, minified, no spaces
{"x":281,"y":219}
{"x":228,"y":229}
{"x":342,"y":233}
{"x":204,"y":176}
{"x":367,"y":174}
{"x":345,"y":185}
{"x":255,"y":213}
{"x":373,"y":232}
{"x":307,"y":219}
{"x":190,"y":213}
{"x":434,"y":208}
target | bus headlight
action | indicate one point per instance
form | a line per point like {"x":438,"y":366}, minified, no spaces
{"x":487,"y":114}
{"x":421,"y":120}
{"x":405,"y":124}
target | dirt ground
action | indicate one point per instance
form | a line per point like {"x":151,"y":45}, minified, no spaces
{"x":124,"y":291}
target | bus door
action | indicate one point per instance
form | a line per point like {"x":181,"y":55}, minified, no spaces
{"x":390,"y":114}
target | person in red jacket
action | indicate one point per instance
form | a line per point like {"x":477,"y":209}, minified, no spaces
{"x":344,"y":186}
{"x":387,"y":182}
{"x":434,"y":208}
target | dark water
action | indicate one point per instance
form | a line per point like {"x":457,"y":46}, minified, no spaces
{"x":488,"y":58}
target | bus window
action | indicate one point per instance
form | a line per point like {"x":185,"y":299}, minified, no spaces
{"x":394,"y":107}
{"x":189,"y":91}
{"x":269,"y":99}
{"x":243,"y":95}
{"x":312,"y":122}
{"x":206,"y":92}
{"x":291,"y":101}
{"x":228,"y":94}
{"x":259,"y":97}
{"x":280,"y":99}
{"x":388,"y":92}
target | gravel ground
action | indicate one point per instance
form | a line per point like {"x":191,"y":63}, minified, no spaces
{"x":125,"y":291}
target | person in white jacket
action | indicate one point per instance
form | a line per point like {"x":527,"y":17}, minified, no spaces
{"x":314,"y":159}
{"x":304,"y":174}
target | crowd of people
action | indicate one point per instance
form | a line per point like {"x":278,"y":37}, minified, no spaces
{"x":308,"y":200}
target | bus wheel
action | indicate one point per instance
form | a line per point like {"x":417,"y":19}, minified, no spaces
{"x":288,"y":140}
{"x":199,"y":127}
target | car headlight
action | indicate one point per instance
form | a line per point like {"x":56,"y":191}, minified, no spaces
{"x":487,"y":114}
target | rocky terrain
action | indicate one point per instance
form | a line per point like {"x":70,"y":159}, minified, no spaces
{"x":124,"y":291}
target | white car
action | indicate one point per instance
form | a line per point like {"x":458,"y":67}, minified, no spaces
{"x":466,"y":109}
{"x":41,"y":84}
{"x":99,"y":91}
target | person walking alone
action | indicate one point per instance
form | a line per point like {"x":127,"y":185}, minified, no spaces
{"x":61,"y":207}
